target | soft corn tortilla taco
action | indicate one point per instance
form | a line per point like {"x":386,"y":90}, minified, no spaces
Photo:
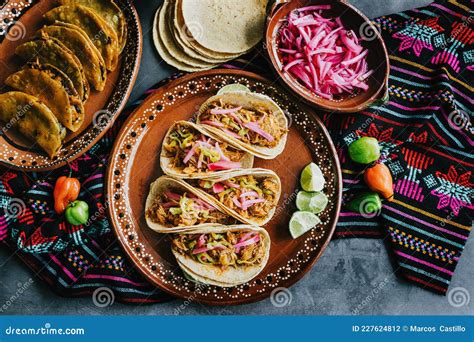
{"x":32,"y":119}
{"x":251,"y":121}
{"x":110,"y":12}
{"x":52,"y":87}
{"x":189,"y":151}
{"x":250,"y":195}
{"x":222,"y":256}
{"x":51,"y":51}
{"x":172,"y":205}
{"x":76,"y":40}
{"x":99,"y":31}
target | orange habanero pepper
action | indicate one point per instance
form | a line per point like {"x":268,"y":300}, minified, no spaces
{"x":379,"y":179}
{"x":66,"y":191}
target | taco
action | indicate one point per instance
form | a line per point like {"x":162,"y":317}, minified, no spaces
{"x":33,"y":119}
{"x":110,"y":12}
{"x":52,"y":51}
{"x":250,"y":195}
{"x":76,"y":40}
{"x":189,"y":151}
{"x":172,"y":205}
{"x":98,"y":30}
{"x":222,"y":256}
{"x":254,"y":122}
{"x":52,"y":87}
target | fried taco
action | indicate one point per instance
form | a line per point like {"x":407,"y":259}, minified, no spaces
{"x":172,"y":205}
{"x":222,"y":256}
{"x":99,"y":31}
{"x":52,"y":87}
{"x":251,"y":121}
{"x":32,"y":119}
{"x":110,"y":12}
{"x":76,"y":40}
{"x":250,"y":195}
{"x":189,"y":151}
{"x":52,"y":51}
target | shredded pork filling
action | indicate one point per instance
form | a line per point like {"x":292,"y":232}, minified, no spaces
{"x":256,"y":127}
{"x":247,"y":195}
{"x":192,"y":152}
{"x":229,"y":249}
{"x":175,"y":210}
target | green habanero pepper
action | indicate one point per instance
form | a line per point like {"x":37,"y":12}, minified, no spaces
{"x":366,"y":203}
{"x":77,"y":213}
{"x":365,"y":150}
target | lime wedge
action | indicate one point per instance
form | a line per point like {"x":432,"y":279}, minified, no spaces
{"x":233,"y":87}
{"x":312,"y":178}
{"x":301,"y":222}
{"x":314,"y":202}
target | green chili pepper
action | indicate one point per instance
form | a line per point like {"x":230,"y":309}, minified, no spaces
{"x":365,"y":150}
{"x":77,"y":213}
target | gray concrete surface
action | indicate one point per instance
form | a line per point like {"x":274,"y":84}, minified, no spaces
{"x":342,"y":282}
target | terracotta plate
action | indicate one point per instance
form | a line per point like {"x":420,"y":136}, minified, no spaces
{"x":135,"y":164}
{"x":19,"y":20}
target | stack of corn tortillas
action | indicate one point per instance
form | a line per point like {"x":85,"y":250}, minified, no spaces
{"x":194,"y":35}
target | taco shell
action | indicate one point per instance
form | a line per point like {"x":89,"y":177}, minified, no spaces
{"x":76,"y":40}
{"x":216,"y":275}
{"x":99,"y":31}
{"x":52,"y":51}
{"x":248,"y":101}
{"x":166,"y":162}
{"x":33,"y":119}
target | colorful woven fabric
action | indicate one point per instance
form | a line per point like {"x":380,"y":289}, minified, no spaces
{"x":427,"y":144}
{"x":426,"y":139}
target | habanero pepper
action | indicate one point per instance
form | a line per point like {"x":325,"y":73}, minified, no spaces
{"x":379,"y":179}
{"x":66,"y":191}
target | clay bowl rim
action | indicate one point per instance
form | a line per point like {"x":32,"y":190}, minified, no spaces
{"x":280,"y":10}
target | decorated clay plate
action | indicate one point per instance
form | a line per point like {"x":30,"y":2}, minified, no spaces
{"x":135,"y":163}
{"x":19,"y":20}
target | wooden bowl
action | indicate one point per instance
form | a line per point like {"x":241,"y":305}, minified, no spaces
{"x":352,"y":19}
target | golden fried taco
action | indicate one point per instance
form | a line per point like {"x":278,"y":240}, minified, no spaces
{"x":172,"y":205}
{"x":76,"y":40}
{"x":99,"y":31}
{"x":251,"y":121}
{"x":222,"y":256}
{"x":109,"y":11}
{"x":52,"y":87}
{"x":32,"y":119}
{"x":189,"y":151}
{"x":250,"y":195}
{"x":52,"y":51}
